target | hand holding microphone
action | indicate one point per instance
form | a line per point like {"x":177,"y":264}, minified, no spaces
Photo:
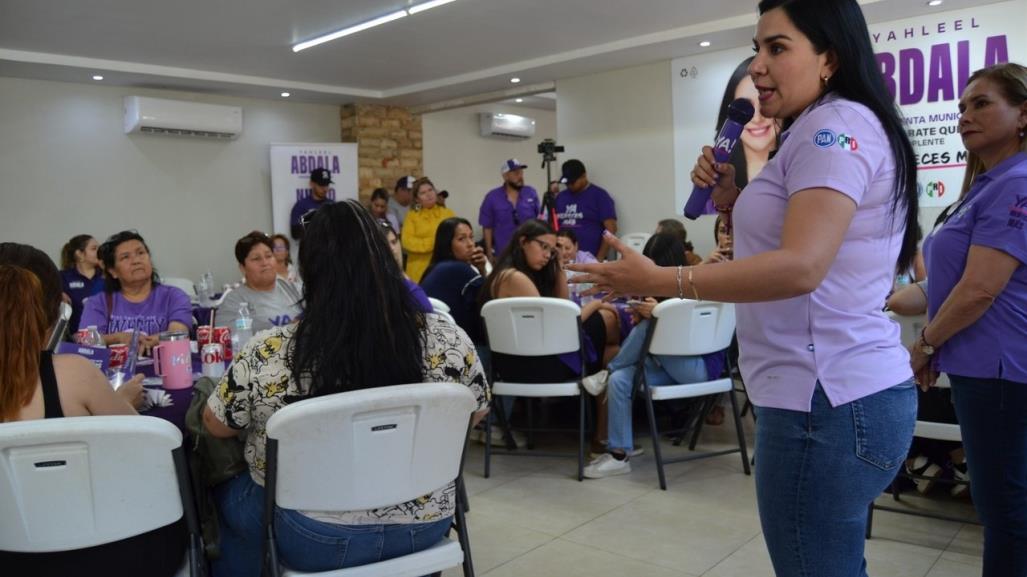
{"x":712,"y":169}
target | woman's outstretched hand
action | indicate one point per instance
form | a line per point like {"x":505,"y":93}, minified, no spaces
{"x":632,"y":274}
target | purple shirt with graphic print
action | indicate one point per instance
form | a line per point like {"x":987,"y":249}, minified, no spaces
{"x":164,"y":305}
{"x":584,"y":213}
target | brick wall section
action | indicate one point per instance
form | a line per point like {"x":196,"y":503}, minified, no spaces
{"x":389,"y":144}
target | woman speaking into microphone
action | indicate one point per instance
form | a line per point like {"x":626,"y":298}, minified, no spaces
{"x":819,"y":233}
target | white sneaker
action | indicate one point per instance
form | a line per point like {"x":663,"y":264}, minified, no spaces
{"x":478,"y":435}
{"x":596,"y":384}
{"x":607,"y":466}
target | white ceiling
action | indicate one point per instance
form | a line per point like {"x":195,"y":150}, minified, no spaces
{"x":468,"y":49}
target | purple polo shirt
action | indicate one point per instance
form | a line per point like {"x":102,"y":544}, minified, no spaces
{"x":503,"y":218}
{"x":584,"y":213}
{"x":994,"y":215}
{"x":837,"y":334}
{"x":153,"y":315}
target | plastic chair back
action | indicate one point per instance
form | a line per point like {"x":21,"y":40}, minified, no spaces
{"x":438,"y":305}
{"x":636,"y":240}
{"x":369,"y":448}
{"x":532,"y":326}
{"x":688,"y":327}
{"x":84,"y":481}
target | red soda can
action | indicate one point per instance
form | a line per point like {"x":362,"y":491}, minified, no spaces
{"x":223,"y":336}
{"x":80,"y":335}
{"x":213,"y":359}
{"x":119,"y":355}
{"x":203,"y":333}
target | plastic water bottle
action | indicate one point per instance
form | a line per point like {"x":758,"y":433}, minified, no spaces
{"x":92,"y":338}
{"x":243,"y":328}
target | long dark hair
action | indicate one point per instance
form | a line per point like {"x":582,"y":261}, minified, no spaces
{"x":360,"y":328}
{"x":737,"y":158}
{"x":665,"y":249}
{"x":513,"y":257}
{"x":77,"y":243}
{"x":444,"y":234}
{"x":108,"y":250}
{"x":838,"y":26}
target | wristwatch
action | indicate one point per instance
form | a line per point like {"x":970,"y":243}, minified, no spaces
{"x":925,"y":347}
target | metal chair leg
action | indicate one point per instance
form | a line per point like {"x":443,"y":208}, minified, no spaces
{"x":581,"y":436}
{"x":741,"y":434}
{"x":488,"y":439}
{"x":656,"y":438}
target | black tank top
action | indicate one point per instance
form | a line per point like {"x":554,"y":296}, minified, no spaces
{"x":51,"y":398}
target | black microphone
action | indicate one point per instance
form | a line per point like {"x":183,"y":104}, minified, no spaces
{"x":739,"y":113}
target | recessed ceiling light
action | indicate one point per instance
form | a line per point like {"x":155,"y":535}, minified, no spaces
{"x":97,"y":77}
{"x":519,"y":100}
{"x":286,"y":95}
{"x":935,"y":3}
{"x":704,"y":43}
{"x":427,"y":6}
{"x":351,"y":30}
{"x":515,"y":80}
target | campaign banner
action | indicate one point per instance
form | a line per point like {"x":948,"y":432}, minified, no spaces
{"x":925,"y":61}
{"x":291,"y":165}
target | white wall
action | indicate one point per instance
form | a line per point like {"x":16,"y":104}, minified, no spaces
{"x":620,"y":124}
{"x":458,"y":159}
{"x":66,"y":167}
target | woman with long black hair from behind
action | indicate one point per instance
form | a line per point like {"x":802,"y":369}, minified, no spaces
{"x":819,"y":235}
{"x":360,"y":329}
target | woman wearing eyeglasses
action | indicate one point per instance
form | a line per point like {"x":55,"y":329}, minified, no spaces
{"x":133,"y":297}
{"x":284,"y":267}
{"x":273,"y":301}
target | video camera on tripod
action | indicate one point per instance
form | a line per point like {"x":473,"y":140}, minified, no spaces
{"x":548,"y":149}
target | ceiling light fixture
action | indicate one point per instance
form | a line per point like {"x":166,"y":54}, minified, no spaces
{"x":286,"y":95}
{"x":427,"y":6}
{"x":97,"y":77}
{"x":705,"y":44}
{"x":933,"y":3}
{"x":519,"y":100}
{"x":351,"y":30}
{"x":515,"y":80}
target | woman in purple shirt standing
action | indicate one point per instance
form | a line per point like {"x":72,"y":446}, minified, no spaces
{"x":819,"y":235}
{"x":977,"y":303}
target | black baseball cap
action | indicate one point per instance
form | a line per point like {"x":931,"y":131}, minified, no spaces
{"x":571,"y":170}
{"x":321,"y":176}
{"x":405,"y":182}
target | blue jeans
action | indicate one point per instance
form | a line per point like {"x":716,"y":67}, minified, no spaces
{"x":659,"y":371}
{"x":305,"y":544}
{"x":818,"y":472}
{"x":993,"y":420}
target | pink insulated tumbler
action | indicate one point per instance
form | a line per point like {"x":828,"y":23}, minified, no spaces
{"x":172,"y":360}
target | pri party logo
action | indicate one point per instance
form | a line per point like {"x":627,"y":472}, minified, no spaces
{"x":933,"y":189}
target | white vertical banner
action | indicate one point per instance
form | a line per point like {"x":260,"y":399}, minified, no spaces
{"x":926,"y":62}
{"x":291,"y":164}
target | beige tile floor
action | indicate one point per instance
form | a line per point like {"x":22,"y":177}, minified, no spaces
{"x":531,"y":517}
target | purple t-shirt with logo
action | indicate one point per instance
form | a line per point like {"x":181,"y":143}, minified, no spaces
{"x":164,"y":305}
{"x":994,"y":215}
{"x":584,"y":213}
{"x":503,"y":218}
{"x":837,"y":334}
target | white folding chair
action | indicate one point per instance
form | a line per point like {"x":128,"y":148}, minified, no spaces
{"x":438,"y":305}
{"x":80,"y":482}
{"x":181,"y":283}
{"x":534,"y":327}
{"x":636,"y":240}
{"x":689,"y":328}
{"x":61,"y":327}
{"x":367,"y":449}
{"x":910,"y":327}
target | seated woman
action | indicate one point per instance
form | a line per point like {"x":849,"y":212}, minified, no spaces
{"x":360,"y":329}
{"x":81,"y":275}
{"x":284,"y":268}
{"x":416,"y":292}
{"x":133,"y":297}
{"x":37,"y":384}
{"x":677,"y":228}
{"x":379,"y":208}
{"x":456,"y":273}
{"x":273,"y":301}
{"x":529,"y":267}
{"x":665,"y":250}
{"x":567,"y":245}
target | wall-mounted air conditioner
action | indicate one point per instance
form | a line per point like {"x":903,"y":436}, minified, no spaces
{"x":508,"y":125}
{"x":180,"y":117}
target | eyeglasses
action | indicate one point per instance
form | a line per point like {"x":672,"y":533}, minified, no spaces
{"x":545,"y":246}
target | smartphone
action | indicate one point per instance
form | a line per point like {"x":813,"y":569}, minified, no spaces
{"x":635,"y":303}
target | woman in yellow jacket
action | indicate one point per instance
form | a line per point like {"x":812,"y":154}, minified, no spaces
{"x":419,"y":227}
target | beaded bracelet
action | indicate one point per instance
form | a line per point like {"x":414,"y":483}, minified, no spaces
{"x":681,"y":290}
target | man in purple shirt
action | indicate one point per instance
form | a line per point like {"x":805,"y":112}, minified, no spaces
{"x":585,"y":208}
{"x":320,"y":193}
{"x":506,"y":207}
